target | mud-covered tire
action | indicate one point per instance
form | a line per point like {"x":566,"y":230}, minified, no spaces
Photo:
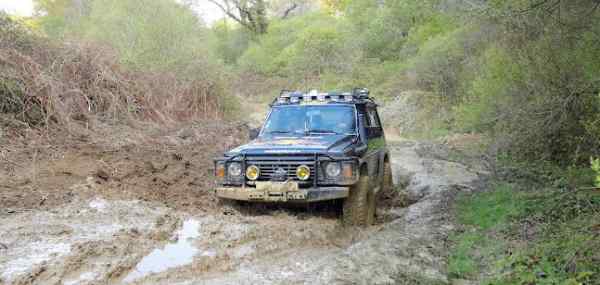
{"x":356,"y":210}
{"x":371,"y":207}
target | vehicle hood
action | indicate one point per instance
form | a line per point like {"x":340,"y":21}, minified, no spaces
{"x":292,"y":145}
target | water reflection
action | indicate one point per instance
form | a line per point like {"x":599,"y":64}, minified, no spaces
{"x":172,"y":255}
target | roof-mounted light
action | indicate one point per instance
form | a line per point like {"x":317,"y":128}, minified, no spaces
{"x":295,"y":97}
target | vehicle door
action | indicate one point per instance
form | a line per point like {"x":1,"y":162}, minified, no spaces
{"x":375,"y":142}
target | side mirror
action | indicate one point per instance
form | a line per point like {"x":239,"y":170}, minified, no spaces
{"x":360,"y":149}
{"x":253,"y":133}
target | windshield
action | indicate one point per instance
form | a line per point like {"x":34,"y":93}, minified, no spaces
{"x":307,"y":120}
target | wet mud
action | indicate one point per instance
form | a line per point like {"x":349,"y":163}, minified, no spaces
{"x":101,"y":236}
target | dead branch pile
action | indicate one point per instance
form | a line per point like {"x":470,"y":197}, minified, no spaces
{"x":44,"y":83}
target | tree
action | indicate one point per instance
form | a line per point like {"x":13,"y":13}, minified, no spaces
{"x":251,"y":14}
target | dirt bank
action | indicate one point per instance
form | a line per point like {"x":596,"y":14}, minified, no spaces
{"x":144,"y":216}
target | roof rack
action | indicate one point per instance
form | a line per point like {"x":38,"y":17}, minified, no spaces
{"x":358,"y":95}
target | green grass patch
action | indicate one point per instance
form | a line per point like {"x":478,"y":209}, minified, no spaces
{"x":462,"y":263}
{"x":487,"y":210}
{"x":518,"y":233}
{"x":482,"y":216}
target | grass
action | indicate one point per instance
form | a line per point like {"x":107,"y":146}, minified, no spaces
{"x":491,"y":209}
{"x":482,"y":216}
{"x":517,"y":233}
{"x":462,"y":262}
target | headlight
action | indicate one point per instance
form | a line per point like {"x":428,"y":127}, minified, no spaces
{"x":220,"y":170}
{"x":234,"y":169}
{"x":303,"y":172}
{"x":252,"y":172}
{"x":333,"y":169}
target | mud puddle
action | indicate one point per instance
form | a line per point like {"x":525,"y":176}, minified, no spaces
{"x":83,"y":242}
{"x":174,"y":254}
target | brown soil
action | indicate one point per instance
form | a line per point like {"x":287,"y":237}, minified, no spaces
{"x":93,"y":211}
{"x":171,"y":168}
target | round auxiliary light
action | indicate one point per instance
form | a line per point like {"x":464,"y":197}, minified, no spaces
{"x":234,"y":169}
{"x":252,"y":172}
{"x":333,"y":169}
{"x":303,"y":172}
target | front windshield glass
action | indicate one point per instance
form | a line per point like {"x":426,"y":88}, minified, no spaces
{"x":308,"y":120}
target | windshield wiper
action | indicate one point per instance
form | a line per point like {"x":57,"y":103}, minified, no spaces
{"x":317,"y":131}
{"x":279,"y":132}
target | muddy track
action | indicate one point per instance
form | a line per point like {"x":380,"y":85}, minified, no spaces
{"x":98,"y":239}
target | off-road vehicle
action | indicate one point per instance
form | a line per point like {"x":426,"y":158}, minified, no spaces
{"x":313,"y":147}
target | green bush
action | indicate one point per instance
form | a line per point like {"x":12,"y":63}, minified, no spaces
{"x":268,"y":55}
{"x":488,"y":95}
{"x":229,"y":41}
{"x":149,"y":34}
{"x":438,"y":64}
{"x":319,"y":50}
{"x":596,"y":168}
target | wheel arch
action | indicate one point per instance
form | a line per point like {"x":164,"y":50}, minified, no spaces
{"x":363,"y":167}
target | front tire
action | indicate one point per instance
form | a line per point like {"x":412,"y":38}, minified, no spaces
{"x":359,"y":206}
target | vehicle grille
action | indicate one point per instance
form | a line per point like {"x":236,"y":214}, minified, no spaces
{"x":268,"y":170}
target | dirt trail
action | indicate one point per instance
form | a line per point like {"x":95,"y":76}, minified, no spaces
{"x":408,"y":250}
{"x":100,"y":236}
{"x":138,"y":215}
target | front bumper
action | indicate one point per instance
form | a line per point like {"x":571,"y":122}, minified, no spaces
{"x":281,"y":192}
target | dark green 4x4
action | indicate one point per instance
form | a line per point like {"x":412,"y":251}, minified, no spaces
{"x":313,"y":147}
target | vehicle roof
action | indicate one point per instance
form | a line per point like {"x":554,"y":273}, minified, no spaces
{"x":314,"y":97}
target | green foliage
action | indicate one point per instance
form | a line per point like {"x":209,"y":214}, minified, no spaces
{"x":437,"y":63}
{"x":565,"y":248}
{"x":55,"y":15}
{"x":272,"y":53}
{"x":381,"y":35}
{"x":474,"y":249}
{"x":461,"y":264}
{"x":510,"y":70}
{"x":488,"y":94}
{"x":596,"y":168}
{"x":149,"y":34}
{"x":437,"y":24}
{"x":491,"y":209}
{"x":318,"y":50}
{"x":229,"y":41}
{"x":528,"y":234}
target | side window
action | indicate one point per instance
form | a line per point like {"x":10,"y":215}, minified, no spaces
{"x":373,"y":123}
{"x":373,"y":118}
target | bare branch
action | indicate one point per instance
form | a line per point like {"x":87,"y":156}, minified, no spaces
{"x":289,"y":10}
{"x":251,"y":14}
{"x":227,"y":10}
